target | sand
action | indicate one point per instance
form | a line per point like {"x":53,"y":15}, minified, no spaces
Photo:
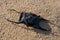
{"x":48,"y":9}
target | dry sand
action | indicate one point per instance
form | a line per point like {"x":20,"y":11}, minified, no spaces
{"x":48,"y":9}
